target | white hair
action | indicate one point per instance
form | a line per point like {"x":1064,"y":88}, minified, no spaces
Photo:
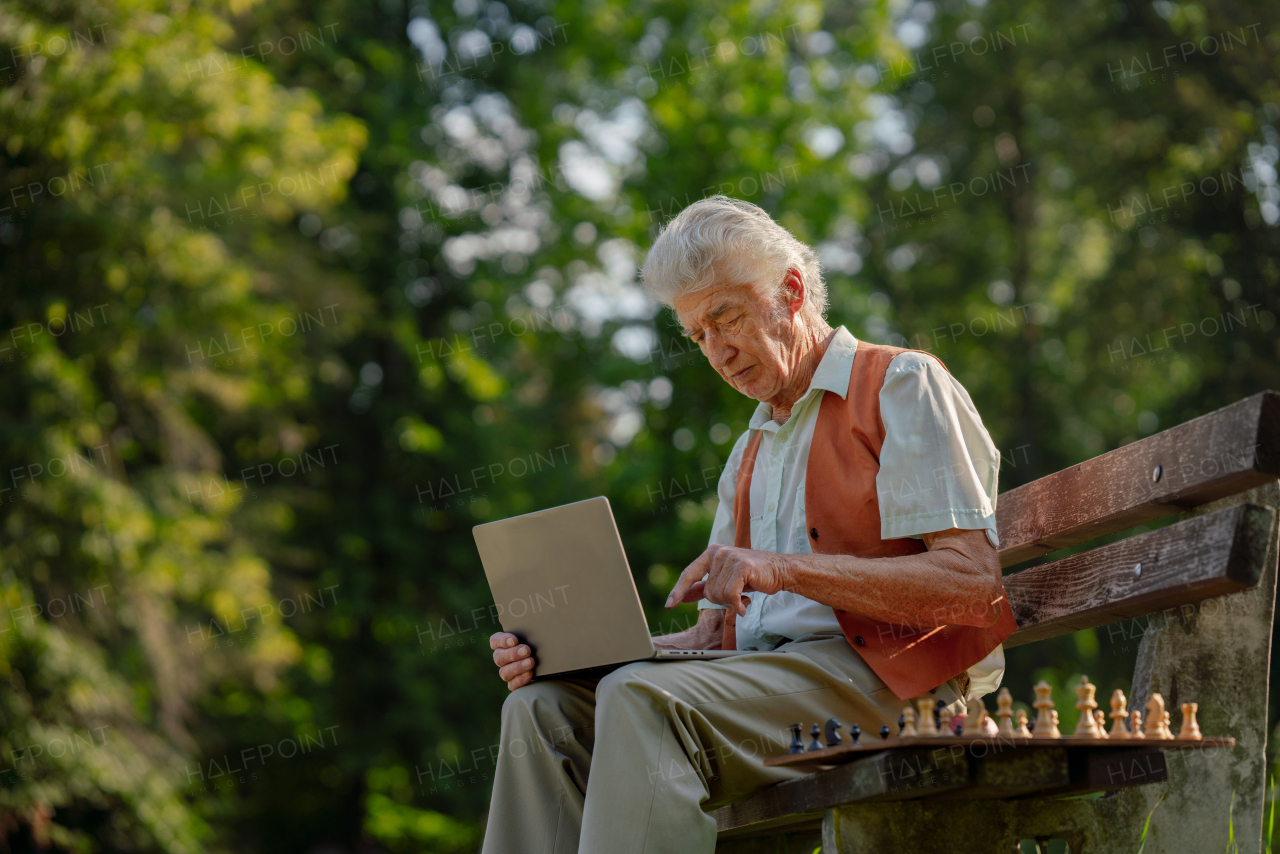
{"x":719,"y":239}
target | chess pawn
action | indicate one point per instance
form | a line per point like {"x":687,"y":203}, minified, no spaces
{"x":1086,"y":727}
{"x":908,"y":723}
{"x":1135,"y":725}
{"x":1022,"y":731}
{"x":1053,"y":725}
{"x":924,"y":723}
{"x":884,"y":732}
{"x":1004,"y":711}
{"x":854,"y":732}
{"x":1166,"y":728}
{"x":1045,"y":727}
{"x":1190,"y":728}
{"x":975,"y":722}
{"x":944,"y":721}
{"x":1101,"y":720}
{"x":814,"y":732}
{"x":1118,"y":715}
{"x":1155,"y":717}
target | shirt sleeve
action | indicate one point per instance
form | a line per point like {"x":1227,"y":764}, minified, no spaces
{"x":938,"y":467}
{"x":722,"y":529}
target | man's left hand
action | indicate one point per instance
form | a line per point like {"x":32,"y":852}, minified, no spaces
{"x":730,"y":573}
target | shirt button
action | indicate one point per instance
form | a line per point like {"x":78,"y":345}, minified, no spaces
{"x":859,"y":641}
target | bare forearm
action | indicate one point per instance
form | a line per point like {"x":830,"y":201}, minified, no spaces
{"x":707,"y":633}
{"x":954,"y":585}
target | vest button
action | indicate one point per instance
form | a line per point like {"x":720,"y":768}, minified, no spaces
{"x":859,"y":641}
{"x":813,"y":532}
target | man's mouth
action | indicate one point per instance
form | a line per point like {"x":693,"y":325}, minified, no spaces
{"x":741,"y":375}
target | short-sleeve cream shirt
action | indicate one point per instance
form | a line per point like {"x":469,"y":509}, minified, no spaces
{"x":938,"y":470}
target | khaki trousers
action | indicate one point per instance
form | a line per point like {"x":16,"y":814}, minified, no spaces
{"x":627,"y":764}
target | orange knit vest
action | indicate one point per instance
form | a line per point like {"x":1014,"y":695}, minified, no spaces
{"x":842,"y":513}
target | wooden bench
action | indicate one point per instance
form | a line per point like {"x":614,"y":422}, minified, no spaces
{"x":1212,"y":574}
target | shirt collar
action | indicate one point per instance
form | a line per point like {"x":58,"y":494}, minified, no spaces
{"x":832,"y":374}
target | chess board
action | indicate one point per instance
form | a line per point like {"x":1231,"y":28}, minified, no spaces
{"x":989,"y":746}
{"x":935,"y":730}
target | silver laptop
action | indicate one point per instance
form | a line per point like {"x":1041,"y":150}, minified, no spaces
{"x":561,"y":583}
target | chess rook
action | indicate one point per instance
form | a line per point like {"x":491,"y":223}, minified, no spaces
{"x":797,"y":745}
{"x":1190,"y":728}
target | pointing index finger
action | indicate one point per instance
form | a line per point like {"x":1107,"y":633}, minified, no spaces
{"x":692,"y":573}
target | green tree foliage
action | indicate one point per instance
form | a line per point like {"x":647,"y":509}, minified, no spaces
{"x":297,"y":293}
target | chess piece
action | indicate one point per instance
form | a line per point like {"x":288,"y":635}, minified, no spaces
{"x":1053,"y":723}
{"x":902,"y":722}
{"x":1101,"y":720}
{"x":944,"y":721}
{"x":854,"y":732}
{"x":813,"y":733}
{"x":1004,"y":711}
{"x":1155,"y":717}
{"x":1166,"y":729}
{"x":975,"y":721}
{"x":908,"y":723}
{"x":1190,"y":729}
{"x":797,"y":746}
{"x":1118,"y":715}
{"x":1085,"y":703}
{"x":832,"y":734}
{"x":1135,"y":724}
{"x":1045,"y":726}
{"x":924,"y":723}
{"x":1022,"y":731}
{"x":884,"y":732}
{"x":937,"y":714}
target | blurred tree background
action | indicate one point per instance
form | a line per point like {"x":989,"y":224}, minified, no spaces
{"x":293,"y":294}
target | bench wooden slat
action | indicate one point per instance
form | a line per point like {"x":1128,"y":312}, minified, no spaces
{"x":940,"y":774}
{"x":875,"y":778}
{"x":1227,"y":451}
{"x":1201,"y":558}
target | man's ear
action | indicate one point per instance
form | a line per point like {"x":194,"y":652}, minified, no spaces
{"x":793,"y":287}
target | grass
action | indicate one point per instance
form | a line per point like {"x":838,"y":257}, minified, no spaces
{"x":1146,"y":828}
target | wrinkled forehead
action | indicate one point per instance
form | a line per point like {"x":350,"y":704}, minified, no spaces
{"x":711,"y":302}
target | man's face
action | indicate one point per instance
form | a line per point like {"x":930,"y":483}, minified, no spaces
{"x":746,"y":336}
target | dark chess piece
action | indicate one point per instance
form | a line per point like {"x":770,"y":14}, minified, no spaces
{"x":937,"y":714}
{"x":797,"y":746}
{"x":814,"y":731}
{"x":884,"y":732}
{"x":902,"y":722}
{"x":854,"y":732}
{"x":830,"y":731}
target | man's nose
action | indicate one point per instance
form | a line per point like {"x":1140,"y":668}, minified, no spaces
{"x":719,"y":353}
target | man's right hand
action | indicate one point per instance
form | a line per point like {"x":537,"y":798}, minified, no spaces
{"x":514,"y":659}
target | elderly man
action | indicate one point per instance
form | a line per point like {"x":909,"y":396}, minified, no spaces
{"x":853,"y":551}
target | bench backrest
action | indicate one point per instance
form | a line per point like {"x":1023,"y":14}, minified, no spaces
{"x":1219,"y":474}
